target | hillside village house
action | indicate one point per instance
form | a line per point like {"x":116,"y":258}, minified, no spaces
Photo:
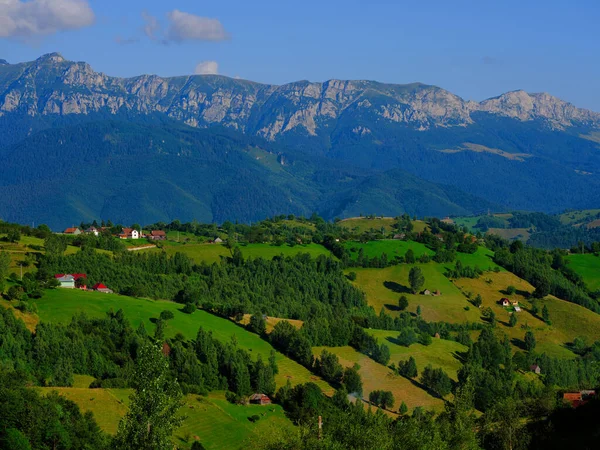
{"x":129,"y":233}
{"x":578,"y":398}
{"x":92,"y":230}
{"x":535,"y":369}
{"x":67,"y":280}
{"x":102,"y":288}
{"x":73,"y":231}
{"x":260,"y":399}
{"x":505,"y":302}
{"x":157,"y":235}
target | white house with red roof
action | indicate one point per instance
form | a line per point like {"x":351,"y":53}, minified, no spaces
{"x":129,"y":233}
{"x":100,"y":287}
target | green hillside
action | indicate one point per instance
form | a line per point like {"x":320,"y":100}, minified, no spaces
{"x":60,"y":305}
{"x":390,"y":247}
{"x":214,"y":252}
{"x":588,"y":266}
{"x":216,"y":423}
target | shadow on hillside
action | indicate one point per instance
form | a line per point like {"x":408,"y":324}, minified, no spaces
{"x":393,"y":340}
{"x":396,"y":287}
{"x":391,"y":307}
{"x":460,"y":356}
{"x":426,"y":389}
{"x":519,"y":343}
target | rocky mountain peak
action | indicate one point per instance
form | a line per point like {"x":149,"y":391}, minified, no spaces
{"x":525,"y":106}
{"x":266,"y":110}
{"x":51,"y":58}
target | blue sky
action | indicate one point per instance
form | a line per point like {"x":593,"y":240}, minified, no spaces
{"x":476,"y":49}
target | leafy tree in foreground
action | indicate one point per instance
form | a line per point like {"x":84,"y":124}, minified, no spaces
{"x":416,"y":279}
{"x":152,"y":415}
{"x":408,"y":368}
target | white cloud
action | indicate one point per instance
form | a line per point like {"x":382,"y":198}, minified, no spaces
{"x":207,"y":68}
{"x":151,"y":25}
{"x":184,"y":26}
{"x":43,"y":17}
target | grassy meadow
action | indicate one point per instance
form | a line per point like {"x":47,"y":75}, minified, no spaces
{"x":441,"y":353}
{"x":362,"y":224}
{"x":391,"y":247}
{"x":588,"y":266}
{"x":210,"y":253}
{"x":216,"y":423}
{"x":59,"y":305}
{"x":568,"y":319}
{"x":377,"y":376}
{"x":383,"y":288}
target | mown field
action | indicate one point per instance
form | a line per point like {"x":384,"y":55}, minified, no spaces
{"x":440,"y":353}
{"x":213,"y":252}
{"x":377,"y":376}
{"x":588,"y":266}
{"x":216,"y":423}
{"x":576,"y":217}
{"x":391,"y":247}
{"x":568,"y":319}
{"x":383,"y":288}
{"x":511,"y":233}
{"x":362,"y":224}
{"x":59,"y":305}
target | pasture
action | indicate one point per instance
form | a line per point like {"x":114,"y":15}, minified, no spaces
{"x":217,"y":423}
{"x":588,"y":266}
{"x":391,"y":247}
{"x":377,"y":376}
{"x":59,"y":305}
{"x":441,"y":353}
{"x":511,"y":233}
{"x":211,"y":253}
{"x":383,"y":288}
{"x":359,"y":225}
{"x":568,"y":319}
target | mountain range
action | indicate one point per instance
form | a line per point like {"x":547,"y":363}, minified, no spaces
{"x":76,"y":144}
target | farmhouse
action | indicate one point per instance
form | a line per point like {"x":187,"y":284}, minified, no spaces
{"x":436,"y":293}
{"x":129,"y":233}
{"x":535,"y":369}
{"x":517,"y":309}
{"x":505,"y":302}
{"x":577,"y":399}
{"x":73,"y":231}
{"x":218,"y":240}
{"x":426,"y":292}
{"x":260,"y":399}
{"x":102,"y":288}
{"x":399,"y":236}
{"x":92,"y":230}
{"x":157,"y":235}
{"x":66,"y":280}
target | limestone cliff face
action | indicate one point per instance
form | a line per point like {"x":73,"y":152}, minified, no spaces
{"x":52,"y":85}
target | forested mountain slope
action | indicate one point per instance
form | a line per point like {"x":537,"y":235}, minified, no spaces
{"x":518,"y":150}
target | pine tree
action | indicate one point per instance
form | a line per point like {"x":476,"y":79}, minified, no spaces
{"x":513,"y":320}
{"x":403,"y":408}
{"x":546,"y":315}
